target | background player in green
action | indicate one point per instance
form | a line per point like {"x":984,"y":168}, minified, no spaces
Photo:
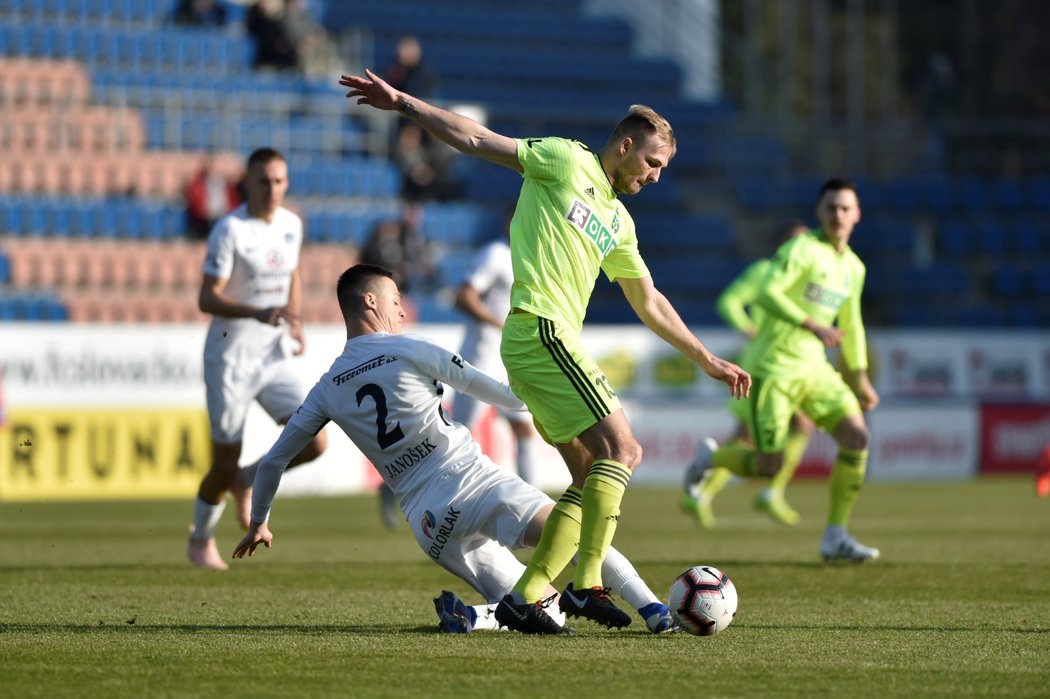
{"x":568,"y":226}
{"x":737,"y":306}
{"x":815,"y":280}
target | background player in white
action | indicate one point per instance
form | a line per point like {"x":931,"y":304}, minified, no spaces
{"x":251,"y":287}
{"x":484,"y":296}
{"x":384,"y":391}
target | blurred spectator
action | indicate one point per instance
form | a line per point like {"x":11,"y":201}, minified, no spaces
{"x":408,"y":72}
{"x":399,"y":245}
{"x":209,"y":197}
{"x":938,"y":93}
{"x":276,"y":45}
{"x":200,"y":13}
{"x":287,"y":38}
{"x":425,"y":165}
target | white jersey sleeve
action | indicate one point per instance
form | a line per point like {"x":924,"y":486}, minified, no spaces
{"x":385,"y":392}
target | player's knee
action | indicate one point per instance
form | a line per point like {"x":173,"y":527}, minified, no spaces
{"x":629,"y":454}
{"x":856,"y":437}
{"x":767,"y":465}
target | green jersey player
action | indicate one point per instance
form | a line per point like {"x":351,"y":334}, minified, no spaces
{"x":737,"y":304}
{"x":811,"y":298}
{"x":568,"y":227}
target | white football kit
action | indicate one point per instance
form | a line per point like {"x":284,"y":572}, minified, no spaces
{"x":492,"y":275}
{"x":244,"y":359}
{"x":385,"y":391}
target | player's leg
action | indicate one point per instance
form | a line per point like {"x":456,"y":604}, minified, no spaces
{"x":228,"y":397}
{"x":702,"y":482}
{"x":210,"y":504}
{"x":509,"y":500}
{"x":770,"y":407}
{"x":833,"y":407}
{"x":568,"y":395}
{"x":771,"y":499}
{"x":505,"y":512}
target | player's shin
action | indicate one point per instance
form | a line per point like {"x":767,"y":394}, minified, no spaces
{"x":794,"y":449}
{"x":738,"y":458}
{"x":556,"y":547}
{"x":602,"y":493}
{"x":847,"y":477}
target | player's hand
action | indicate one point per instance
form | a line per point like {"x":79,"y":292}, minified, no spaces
{"x":276,"y":316}
{"x":866,"y":395}
{"x":371,"y":90}
{"x":829,"y":336}
{"x":738,"y":380}
{"x":295,"y":331}
{"x":257,"y":534}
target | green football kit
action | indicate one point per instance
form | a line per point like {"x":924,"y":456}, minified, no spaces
{"x":807,"y":278}
{"x":567,"y":227}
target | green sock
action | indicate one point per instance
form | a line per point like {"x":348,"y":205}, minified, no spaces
{"x":847,"y":476}
{"x":556,"y":548}
{"x":793,"y":451}
{"x":738,"y":458}
{"x":602,"y":492}
{"x":714,"y":484}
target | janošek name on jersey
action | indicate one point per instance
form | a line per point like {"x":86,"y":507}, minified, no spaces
{"x":340,"y":379}
{"x":409,"y":458}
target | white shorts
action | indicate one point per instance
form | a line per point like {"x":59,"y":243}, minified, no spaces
{"x":468,"y":522}
{"x":230,"y":390}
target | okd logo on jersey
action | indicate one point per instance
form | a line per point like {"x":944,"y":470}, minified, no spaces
{"x":428,"y":522}
{"x":583,"y":218}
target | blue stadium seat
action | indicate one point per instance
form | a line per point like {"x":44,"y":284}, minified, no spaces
{"x":5,"y":269}
{"x":1007,"y":282}
{"x":1009,"y":195}
{"x":990,"y":238}
{"x":972,"y":194}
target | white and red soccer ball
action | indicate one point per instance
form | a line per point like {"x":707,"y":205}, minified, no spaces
{"x":702,"y":600}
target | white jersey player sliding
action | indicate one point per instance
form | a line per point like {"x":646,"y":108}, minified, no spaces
{"x":467,"y":513}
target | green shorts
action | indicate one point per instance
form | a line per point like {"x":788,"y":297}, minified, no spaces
{"x":564,"y":388}
{"x":822,"y":395}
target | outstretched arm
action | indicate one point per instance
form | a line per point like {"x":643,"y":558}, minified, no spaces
{"x":460,"y":132}
{"x":659,"y":315}
{"x":267,"y":479}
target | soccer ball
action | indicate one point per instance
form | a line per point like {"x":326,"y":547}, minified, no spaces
{"x":702,"y":600}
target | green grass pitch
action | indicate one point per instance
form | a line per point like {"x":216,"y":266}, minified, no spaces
{"x":97,"y":600}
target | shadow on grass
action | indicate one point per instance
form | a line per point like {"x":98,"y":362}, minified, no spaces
{"x":371,"y":629}
{"x":307,"y":629}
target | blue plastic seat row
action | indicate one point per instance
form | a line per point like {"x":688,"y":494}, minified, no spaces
{"x":541,"y":30}
{"x":32,"y":307}
{"x":101,"y":218}
{"x":171,"y":49}
{"x":102,"y":11}
{"x":993,"y":237}
{"x":350,"y":177}
{"x":343,"y":225}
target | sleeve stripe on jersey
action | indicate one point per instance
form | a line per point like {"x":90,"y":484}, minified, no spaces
{"x":576,"y":377}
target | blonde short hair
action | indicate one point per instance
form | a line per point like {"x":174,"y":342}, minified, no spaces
{"x":642,"y":121}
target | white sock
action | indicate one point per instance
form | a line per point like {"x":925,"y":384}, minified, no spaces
{"x":205,"y":518}
{"x":524,"y":457}
{"x":834,"y":532}
{"x":623,"y":579}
